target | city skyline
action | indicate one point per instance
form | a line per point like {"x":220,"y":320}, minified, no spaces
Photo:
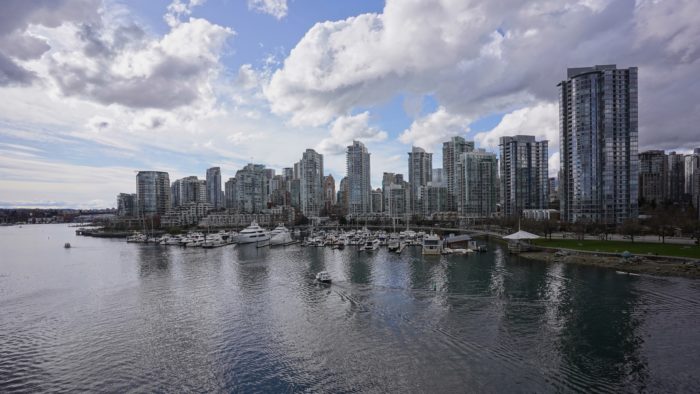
{"x":98,"y":90}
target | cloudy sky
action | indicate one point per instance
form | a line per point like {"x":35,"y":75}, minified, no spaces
{"x":93,"y":90}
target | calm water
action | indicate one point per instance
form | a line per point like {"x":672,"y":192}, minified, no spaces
{"x":111,"y":316}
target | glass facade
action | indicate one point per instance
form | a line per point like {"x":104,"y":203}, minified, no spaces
{"x":451,"y":155}
{"x":311,"y":193}
{"x":524,"y":174}
{"x":152,"y":193}
{"x":420,"y":172}
{"x":479,"y":175}
{"x":251,"y":183}
{"x":214,"y":188}
{"x":598,"y":132}
{"x":653,"y":171}
{"x":359,"y":187}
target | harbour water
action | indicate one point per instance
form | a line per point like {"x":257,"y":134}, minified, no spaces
{"x":105,"y":315}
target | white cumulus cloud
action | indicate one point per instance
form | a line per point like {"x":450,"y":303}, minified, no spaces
{"x":276,"y":8}
{"x":434,"y":128}
{"x":345,"y":129}
{"x":541,"y":120}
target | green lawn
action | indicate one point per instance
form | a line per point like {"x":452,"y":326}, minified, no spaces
{"x":640,"y":248}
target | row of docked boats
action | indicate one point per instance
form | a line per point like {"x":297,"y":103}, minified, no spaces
{"x":365,"y":240}
{"x":251,"y":234}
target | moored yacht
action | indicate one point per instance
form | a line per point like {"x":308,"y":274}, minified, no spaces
{"x":280,"y":235}
{"x":252,"y":233}
{"x":370,"y":244}
{"x":393,"y":243}
{"x":432,"y":245}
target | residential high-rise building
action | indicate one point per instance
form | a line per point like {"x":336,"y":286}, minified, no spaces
{"x":295,"y":193}
{"x":126,"y":205}
{"x":653,"y":170}
{"x":358,"y":173}
{"x":439,"y":177}
{"x":479,"y":175}
{"x":420,"y":172}
{"x":376,"y":200}
{"x":152,"y":193}
{"x":279,"y":191}
{"x":387,"y":180}
{"x":433,"y":198}
{"x":288,"y":173}
{"x":524,"y":174}
{"x":201,"y":191}
{"x":329,"y":197}
{"x":553,"y":189}
{"x":311,"y":176}
{"x":187,"y":190}
{"x":231,"y":199}
{"x":296,"y":172}
{"x":399,"y":196}
{"x":451,"y":155}
{"x":691,"y":166}
{"x":343,"y":195}
{"x":250,"y":189}
{"x":598,"y":132}
{"x":214,"y":187}
{"x":675,"y":181}
{"x":175,"y":193}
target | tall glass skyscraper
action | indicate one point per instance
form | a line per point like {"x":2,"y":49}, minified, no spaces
{"x":598,"y":131}
{"x":420,"y":172}
{"x":359,"y":187}
{"x":214,"y":188}
{"x":524,"y":174}
{"x":451,"y":158}
{"x":311,"y":176}
{"x":152,"y":193}
{"x":479,"y":175}
{"x":250,"y":189}
{"x":653,"y":173}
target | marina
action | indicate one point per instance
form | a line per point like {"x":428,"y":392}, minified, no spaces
{"x":241,"y":318}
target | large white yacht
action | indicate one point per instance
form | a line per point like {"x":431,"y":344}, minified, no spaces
{"x":253,"y":233}
{"x":280,"y":235}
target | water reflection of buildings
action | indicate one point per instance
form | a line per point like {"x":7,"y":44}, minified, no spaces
{"x":600,"y":339}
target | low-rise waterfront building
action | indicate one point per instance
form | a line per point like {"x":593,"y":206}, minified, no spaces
{"x":540,"y":214}
{"x":266,"y":218}
{"x":185,"y":215}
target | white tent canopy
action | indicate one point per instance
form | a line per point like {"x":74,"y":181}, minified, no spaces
{"x":520,"y":235}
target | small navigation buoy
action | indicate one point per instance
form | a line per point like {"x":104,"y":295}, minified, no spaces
{"x":66,"y":245}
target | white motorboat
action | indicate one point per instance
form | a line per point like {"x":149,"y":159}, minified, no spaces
{"x":176,"y":240}
{"x":253,"y":234}
{"x":393,"y":243}
{"x":370,"y":245}
{"x":137,"y":238}
{"x":323,"y":277}
{"x":280,"y":235}
{"x":432,"y":245}
{"x":195,"y":240}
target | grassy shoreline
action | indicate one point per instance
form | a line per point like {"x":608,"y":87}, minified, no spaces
{"x":617,"y":247}
{"x":647,"y":258}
